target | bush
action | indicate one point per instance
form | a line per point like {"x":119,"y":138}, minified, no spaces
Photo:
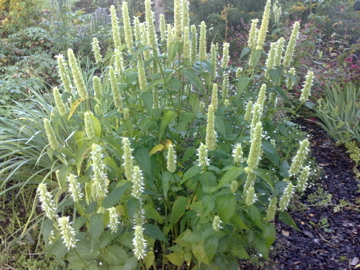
{"x":163,"y":159}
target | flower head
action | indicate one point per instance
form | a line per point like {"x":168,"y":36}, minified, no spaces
{"x":217,"y":223}
{"x":47,"y":203}
{"x":67,"y":232}
{"x":139,"y":242}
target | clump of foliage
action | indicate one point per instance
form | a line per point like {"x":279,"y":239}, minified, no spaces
{"x":168,"y":157}
{"x":17,"y":14}
{"x":339,"y":112}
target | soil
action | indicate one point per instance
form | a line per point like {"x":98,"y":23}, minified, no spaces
{"x":328,"y":236}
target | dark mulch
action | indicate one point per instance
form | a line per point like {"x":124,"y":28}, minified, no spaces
{"x":335,"y":244}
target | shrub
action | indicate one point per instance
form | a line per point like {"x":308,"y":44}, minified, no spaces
{"x":150,"y":165}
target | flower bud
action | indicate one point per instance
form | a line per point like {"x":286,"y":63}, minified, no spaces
{"x":216,"y":223}
{"x":96,"y":50}
{"x":177,"y":20}
{"x":89,"y":127}
{"x":99,"y":177}
{"x":139,"y":242}
{"x":211,"y":135}
{"x":213,"y":60}
{"x":126,"y":114}
{"x":64,"y":74}
{"x":113,"y":220}
{"x":171,"y":159}
{"x":214,"y":97}
{"x":194,"y":39}
{"x":225,"y":87}
{"x":67,"y":232}
{"x":250,"y":196}
{"x":141,"y":75}
{"x":302,"y":179}
{"x":237,"y":153}
{"x":74,"y":188}
{"x":264,"y":26}
{"x":127,"y":26}
{"x":119,"y":62}
{"x":202,"y":42}
{"x":305,"y":91}
{"x":137,"y":183}
{"x":115,"y":28}
{"x":78,"y":79}
{"x":47,"y":203}
{"x":271,"y":211}
{"x":225,"y":59}
{"x":60,"y":105}
{"x":128,"y":159}
{"x":162,"y":26}
{"x":202,"y":153}
{"x":249,"y":107}
{"x":97,"y":87}
{"x":186,"y":50}
{"x":115,"y":90}
{"x":53,"y":142}
{"x":185,"y":14}
{"x":253,"y":33}
{"x":291,"y":45}
{"x":234,"y":186}
{"x":238,"y":72}
{"x":255,"y":148}
{"x":299,"y":158}
{"x":279,"y":51}
{"x":286,"y":197}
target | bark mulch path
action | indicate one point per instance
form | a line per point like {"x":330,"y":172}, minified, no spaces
{"x":327,"y":239}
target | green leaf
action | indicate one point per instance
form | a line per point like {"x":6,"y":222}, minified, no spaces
{"x":261,"y":247}
{"x":220,"y":126}
{"x":174,"y":83}
{"x":185,"y":119}
{"x":178,"y":210}
{"x":240,"y":252}
{"x":96,"y":225}
{"x":229,"y":176}
{"x":142,"y":156}
{"x":176,"y":258}
{"x":147,"y":98}
{"x":243,"y":82}
{"x":269,"y":233}
{"x":154,"y":232}
{"x":80,"y":155}
{"x":149,"y":259}
{"x":115,"y":196}
{"x":173,"y":49}
{"x":200,"y":253}
{"x":284,"y":169}
{"x":254,"y":214}
{"x":194,"y":170}
{"x":238,"y":222}
{"x":193,"y":78}
{"x":115,"y":255}
{"x":97,"y":125}
{"x":226,"y":205}
{"x":211,"y":246}
{"x":130,"y":264}
{"x":263,"y":174}
{"x":167,"y":118}
{"x":281,"y":93}
{"x":271,"y":152}
{"x":132,"y":205}
{"x":166,"y":178}
{"x":275,"y":74}
{"x":151,"y":212}
{"x":287,"y":219}
{"x":244,"y":52}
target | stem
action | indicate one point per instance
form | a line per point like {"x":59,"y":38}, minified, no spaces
{"x":81,"y":258}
